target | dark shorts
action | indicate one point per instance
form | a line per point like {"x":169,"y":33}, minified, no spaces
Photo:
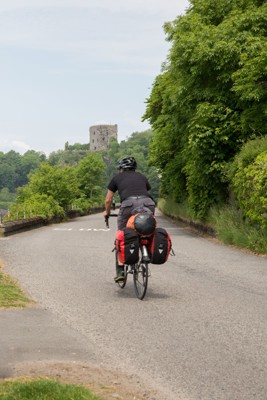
{"x":128,"y":205}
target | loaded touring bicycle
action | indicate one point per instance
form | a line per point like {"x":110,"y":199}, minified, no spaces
{"x":137,"y":245}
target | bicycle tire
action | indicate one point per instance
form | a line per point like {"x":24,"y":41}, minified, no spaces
{"x":122,"y":283}
{"x":140,"y":278}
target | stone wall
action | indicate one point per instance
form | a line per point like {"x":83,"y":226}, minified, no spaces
{"x":9,"y":228}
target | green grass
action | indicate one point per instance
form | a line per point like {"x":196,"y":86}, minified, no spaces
{"x":43,"y":389}
{"x":10,"y":293}
{"x":228,"y":223}
{"x":35,"y":389}
{"x":232,"y":229}
{"x":173,"y":209}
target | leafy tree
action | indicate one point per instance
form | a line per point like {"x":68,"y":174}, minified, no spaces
{"x":110,"y":158}
{"x":30,"y":161}
{"x":90,"y":173}
{"x":71,"y":155}
{"x":14,"y":168}
{"x":77,"y":147}
{"x":6,"y":198}
{"x":9,"y":170}
{"x":166,"y":144}
{"x":56,"y":157}
{"x":59,"y":183}
{"x":210,"y":97}
{"x":8,"y":176}
{"x":36,"y":204}
{"x":53,"y":190}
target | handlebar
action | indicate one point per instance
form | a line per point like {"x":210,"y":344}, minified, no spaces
{"x":107,"y":217}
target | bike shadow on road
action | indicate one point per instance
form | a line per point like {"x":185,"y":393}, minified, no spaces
{"x":128,"y":293}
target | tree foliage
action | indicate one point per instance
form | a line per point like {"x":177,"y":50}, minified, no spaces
{"x":210,"y":98}
{"x":14,"y":168}
{"x":90,"y":174}
{"x":58,"y":183}
{"x":6,"y":198}
{"x":54,"y":190}
{"x":250,"y":185}
{"x":74,"y":177}
{"x":35,"y":204}
{"x":71,"y":155}
{"x":248,"y":175}
{"x":137,"y":145}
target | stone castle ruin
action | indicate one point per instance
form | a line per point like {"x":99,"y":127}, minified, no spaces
{"x":100,"y":136}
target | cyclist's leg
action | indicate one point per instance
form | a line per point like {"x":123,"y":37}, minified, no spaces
{"x":123,"y":216}
{"x":120,"y":276}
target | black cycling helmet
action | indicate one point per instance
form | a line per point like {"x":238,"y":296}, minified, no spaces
{"x":127,"y":163}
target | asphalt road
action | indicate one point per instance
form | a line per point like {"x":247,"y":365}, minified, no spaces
{"x":200,"y":333}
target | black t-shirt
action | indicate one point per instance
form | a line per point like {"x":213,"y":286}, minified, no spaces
{"x":129,"y":183}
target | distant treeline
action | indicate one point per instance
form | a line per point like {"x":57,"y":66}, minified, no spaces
{"x":70,"y":178}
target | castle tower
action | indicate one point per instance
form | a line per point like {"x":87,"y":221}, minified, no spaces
{"x":100,"y":136}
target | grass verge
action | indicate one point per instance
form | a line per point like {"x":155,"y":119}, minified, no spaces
{"x":228,"y":224}
{"x":43,"y":389}
{"x":10,"y":293}
{"x":173,"y":209}
{"x":232,"y":229}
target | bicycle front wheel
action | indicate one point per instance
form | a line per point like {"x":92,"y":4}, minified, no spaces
{"x":140,"y":278}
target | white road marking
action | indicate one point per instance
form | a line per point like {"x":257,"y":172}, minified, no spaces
{"x":83,"y":229}
{"x":62,"y":229}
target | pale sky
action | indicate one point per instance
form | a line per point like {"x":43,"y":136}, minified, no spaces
{"x":66,"y":65}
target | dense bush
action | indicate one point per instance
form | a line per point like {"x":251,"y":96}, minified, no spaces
{"x":250,"y":187}
{"x":36,"y":204}
{"x":247,"y":155}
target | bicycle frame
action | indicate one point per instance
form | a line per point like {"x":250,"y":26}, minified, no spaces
{"x":144,"y":241}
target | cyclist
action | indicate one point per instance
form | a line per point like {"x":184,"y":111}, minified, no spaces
{"x":133,"y":188}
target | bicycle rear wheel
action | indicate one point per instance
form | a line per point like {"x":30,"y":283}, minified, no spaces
{"x":140,"y":278}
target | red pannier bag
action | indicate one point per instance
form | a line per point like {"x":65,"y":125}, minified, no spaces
{"x":127,"y":246}
{"x":160,"y":247}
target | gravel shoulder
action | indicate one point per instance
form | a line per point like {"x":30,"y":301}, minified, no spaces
{"x":33,"y":344}
{"x":108,"y":384}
